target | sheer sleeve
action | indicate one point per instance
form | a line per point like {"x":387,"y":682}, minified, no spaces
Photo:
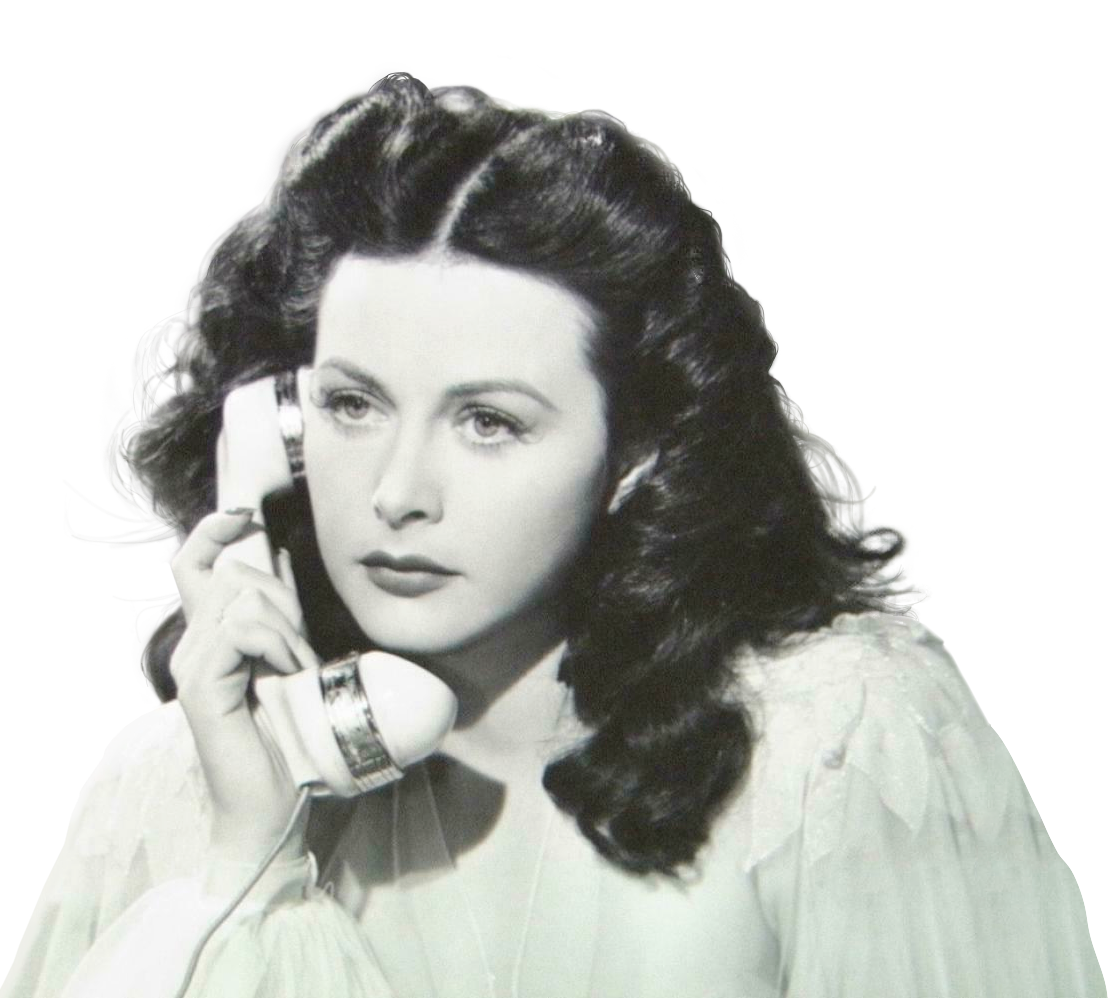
{"x":895,"y":847}
{"x":133,"y":891}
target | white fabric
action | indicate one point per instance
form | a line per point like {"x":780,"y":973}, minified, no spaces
{"x":883,"y":844}
{"x":901,"y":854}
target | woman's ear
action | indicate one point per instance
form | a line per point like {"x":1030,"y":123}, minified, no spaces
{"x":634,"y":474}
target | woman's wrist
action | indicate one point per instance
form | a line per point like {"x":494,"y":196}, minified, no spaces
{"x":251,"y":849}
{"x":234,"y":839}
{"x":286,"y":879}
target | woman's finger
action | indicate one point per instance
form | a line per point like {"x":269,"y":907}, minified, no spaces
{"x":207,"y":540}
{"x":242,"y":619}
{"x":230,"y":578}
{"x":257,"y":640}
{"x":213,"y":679}
{"x":283,"y":565}
{"x":212,"y":670}
{"x":287,"y":576}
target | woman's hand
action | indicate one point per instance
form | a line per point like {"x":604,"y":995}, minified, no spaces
{"x":238,"y":619}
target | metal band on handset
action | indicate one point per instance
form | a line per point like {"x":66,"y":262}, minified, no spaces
{"x":290,"y":416}
{"x":355,"y":729}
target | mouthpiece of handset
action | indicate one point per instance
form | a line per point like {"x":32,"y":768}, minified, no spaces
{"x":413,"y":708}
{"x":356,"y":723}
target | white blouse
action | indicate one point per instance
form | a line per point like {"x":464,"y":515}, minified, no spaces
{"x":883,"y":844}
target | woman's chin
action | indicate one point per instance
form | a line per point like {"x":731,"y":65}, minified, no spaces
{"x":431,"y":643}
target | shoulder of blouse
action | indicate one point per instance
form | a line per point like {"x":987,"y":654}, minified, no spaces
{"x":872,"y":692}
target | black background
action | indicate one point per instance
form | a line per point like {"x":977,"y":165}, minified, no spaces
{"x":845,"y":214}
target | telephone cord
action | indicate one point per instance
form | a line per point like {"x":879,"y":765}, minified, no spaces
{"x":196,"y":955}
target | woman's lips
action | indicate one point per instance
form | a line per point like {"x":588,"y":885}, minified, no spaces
{"x":410,"y":583}
{"x":404,"y":563}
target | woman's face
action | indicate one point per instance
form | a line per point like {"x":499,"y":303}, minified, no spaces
{"x":455,"y":447}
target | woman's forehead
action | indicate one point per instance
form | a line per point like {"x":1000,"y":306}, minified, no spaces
{"x":396,"y":285}
{"x":453,"y":314}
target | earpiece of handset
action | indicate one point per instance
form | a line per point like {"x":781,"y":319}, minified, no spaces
{"x":356,"y":723}
{"x":259,"y":451}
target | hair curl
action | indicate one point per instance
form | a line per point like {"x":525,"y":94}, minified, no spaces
{"x":726,"y":542}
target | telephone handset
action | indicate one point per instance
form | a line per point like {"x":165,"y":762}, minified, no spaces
{"x":353,"y":724}
{"x":356,"y":723}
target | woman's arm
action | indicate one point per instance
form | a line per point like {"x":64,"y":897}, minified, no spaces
{"x":135,"y":888}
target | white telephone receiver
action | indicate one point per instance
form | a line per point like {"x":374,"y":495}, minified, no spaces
{"x":356,"y":723}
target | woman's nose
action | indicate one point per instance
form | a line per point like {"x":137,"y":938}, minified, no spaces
{"x":407,"y":489}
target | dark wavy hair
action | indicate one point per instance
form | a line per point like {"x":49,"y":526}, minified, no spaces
{"x":727,"y":542}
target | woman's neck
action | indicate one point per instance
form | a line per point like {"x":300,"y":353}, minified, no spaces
{"x":510,"y":700}
{"x":517,"y":733}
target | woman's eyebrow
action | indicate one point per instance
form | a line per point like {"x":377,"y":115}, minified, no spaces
{"x":463,"y":390}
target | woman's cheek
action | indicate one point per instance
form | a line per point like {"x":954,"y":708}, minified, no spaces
{"x":552,"y":511}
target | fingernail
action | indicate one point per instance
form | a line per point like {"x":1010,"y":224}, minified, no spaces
{"x":240,"y":511}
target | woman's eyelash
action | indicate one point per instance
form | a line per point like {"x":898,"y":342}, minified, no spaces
{"x":336,"y":401}
{"x":493,"y":426}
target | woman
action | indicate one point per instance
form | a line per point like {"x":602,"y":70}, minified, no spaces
{"x":696,"y":754}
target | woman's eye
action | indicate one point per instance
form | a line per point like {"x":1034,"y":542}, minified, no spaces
{"x":344,"y":407}
{"x":347,"y":405}
{"x":487,"y":427}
